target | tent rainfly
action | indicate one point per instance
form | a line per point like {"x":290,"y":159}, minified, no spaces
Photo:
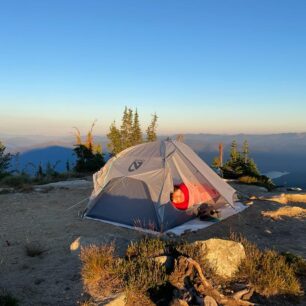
{"x":133,"y":188}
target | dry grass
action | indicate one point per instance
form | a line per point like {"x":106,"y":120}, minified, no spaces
{"x":147,"y":247}
{"x":296,"y":197}
{"x":267,"y":271}
{"x":143,"y":273}
{"x":248,"y":180}
{"x":285,"y":198}
{"x":104,"y":274}
{"x":6,"y":299}
{"x":87,"y":303}
{"x":297,"y":262}
{"x":136,"y":298}
{"x":286,"y":211}
{"x":100,"y":271}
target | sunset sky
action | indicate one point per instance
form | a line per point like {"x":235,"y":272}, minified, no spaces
{"x":203,"y":66}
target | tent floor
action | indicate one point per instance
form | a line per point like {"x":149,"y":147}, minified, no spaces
{"x":190,"y":226}
{"x":197,"y":224}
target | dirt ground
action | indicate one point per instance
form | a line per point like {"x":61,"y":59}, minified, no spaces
{"x":53,"y":278}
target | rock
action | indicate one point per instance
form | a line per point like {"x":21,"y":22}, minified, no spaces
{"x":79,"y":242}
{"x":165,"y":260}
{"x":178,"y":302}
{"x":223,"y":256}
{"x":118,"y":301}
{"x":6,"y":190}
{"x":64,"y":184}
{"x":209,"y":301}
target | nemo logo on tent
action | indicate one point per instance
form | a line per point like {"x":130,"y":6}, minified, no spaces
{"x":136,"y":164}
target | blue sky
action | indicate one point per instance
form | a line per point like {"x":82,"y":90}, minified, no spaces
{"x":202,"y":66}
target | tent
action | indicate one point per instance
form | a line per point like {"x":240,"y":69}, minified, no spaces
{"x":133,"y":188}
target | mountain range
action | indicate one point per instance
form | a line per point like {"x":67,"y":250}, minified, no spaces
{"x":273,"y":152}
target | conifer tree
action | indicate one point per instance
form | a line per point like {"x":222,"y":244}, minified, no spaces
{"x":130,"y":132}
{"x":151,"y":130}
{"x":245,"y":151}
{"x":67,"y":166}
{"x":5,"y":159}
{"x":124,"y":132}
{"x":40,"y":172}
{"x":114,"y":136}
{"x":89,"y":155}
{"x":136,"y":133}
{"x":129,"y":141}
{"x":234,"y":152}
{"x":216,"y":162}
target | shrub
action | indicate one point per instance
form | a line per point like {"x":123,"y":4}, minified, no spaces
{"x":5,"y":159}
{"x":260,"y":180}
{"x":87,"y":159}
{"x":248,"y":179}
{"x":16,"y":181}
{"x":286,"y":211}
{"x":143,"y":273}
{"x":34,"y":249}
{"x":101,"y":270}
{"x":144,"y":279}
{"x":267,"y":271}
{"x":297,"y":262}
{"x":146,"y":247}
{"x":135,"y":298}
{"x":6,"y":299}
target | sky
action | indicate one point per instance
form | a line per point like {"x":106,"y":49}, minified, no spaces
{"x":203,"y":66}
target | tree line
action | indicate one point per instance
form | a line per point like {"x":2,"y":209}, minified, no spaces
{"x":240,"y":166}
{"x":90,"y":156}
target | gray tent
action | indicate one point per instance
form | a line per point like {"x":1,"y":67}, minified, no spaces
{"x":133,"y":188}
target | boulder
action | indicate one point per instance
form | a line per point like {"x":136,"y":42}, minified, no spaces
{"x":223,"y":256}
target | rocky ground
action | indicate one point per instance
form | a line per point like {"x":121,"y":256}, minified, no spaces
{"x":40,"y":218}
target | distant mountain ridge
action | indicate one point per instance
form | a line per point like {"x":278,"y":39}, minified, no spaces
{"x":285,"y":142}
{"x":284,"y":152}
{"x":55,"y":155}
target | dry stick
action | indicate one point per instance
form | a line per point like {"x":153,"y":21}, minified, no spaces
{"x":220,"y":298}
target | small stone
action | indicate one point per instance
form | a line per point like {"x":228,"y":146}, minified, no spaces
{"x":209,"y":301}
{"x":118,"y":301}
{"x":165,"y":260}
{"x":6,"y":190}
{"x":39,"y":281}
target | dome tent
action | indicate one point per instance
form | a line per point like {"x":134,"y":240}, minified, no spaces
{"x":133,"y":188}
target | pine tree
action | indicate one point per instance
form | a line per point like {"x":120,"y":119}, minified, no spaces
{"x":5,"y":159}
{"x":49,"y":169}
{"x":130,"y":132}
{"x":245,"y":151}
{"x":40,"y":172}
{"x":234,"y":154}
{"x":136,"y":130}
{"x":124,"y":131}
{"x":67,"y":166}
{"x":114,"y":136}
{"x":128,"y":142}
{"x":216,"y":162}
{"x":151,"y":130}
